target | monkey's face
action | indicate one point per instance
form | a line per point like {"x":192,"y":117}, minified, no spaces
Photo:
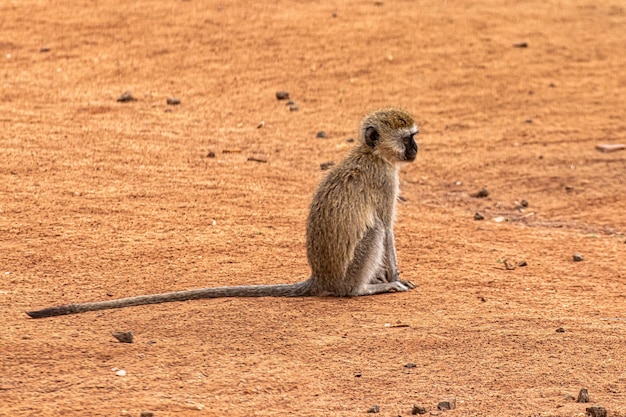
{"x":410,"y":146}
{"x":391,"y":134}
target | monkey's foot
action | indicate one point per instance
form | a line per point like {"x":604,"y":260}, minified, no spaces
{"x":395,"y":286}
{"x":409,"y":285}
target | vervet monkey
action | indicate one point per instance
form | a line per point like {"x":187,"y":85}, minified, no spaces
{"x":349,"y":233}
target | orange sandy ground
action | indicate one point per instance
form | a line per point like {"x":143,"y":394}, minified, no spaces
{"x":100,"y":199}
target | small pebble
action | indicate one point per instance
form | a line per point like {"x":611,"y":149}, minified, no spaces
{"x":350,"y":140}
{"x":326,"y":165}
{"x":481,"y":194}
{"x":290,"y":103}
{"x":410,"y":365}
{"x":569,"y":397}
{"x":44,"y":49}
{"x":528,"y":121}
{"x":294,"y":108}
{"x":321,"y":134}
{"x":596,"y":411}
{"x":124,"y":337}
{"x":583,"y":396}
{"x":522,"y":263}
{"x":560,"y":330}
{"x":172,"y":101}
{"x":524,"y":203}
{"x":521,"y":45}
{"x":447,"y":404}
{"x":578,"y":257}
{"x":147,"y":413}
{"x":126,"y":97}
{"x":282,"y":95}
{"x":374,"y":409}
{"x":211,"y":154}
{"x":120,"y":372}
{"x":418,"y":409}
{"x":478,"y":216}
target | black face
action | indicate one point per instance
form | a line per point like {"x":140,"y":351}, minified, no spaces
{"x":410,"y":147}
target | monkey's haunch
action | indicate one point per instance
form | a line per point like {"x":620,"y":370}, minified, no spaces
{"x":278,"y":290}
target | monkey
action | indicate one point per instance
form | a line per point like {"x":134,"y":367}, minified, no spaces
{"x":350,"y":244}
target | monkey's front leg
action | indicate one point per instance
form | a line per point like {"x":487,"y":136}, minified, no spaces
{"x":389,"y":269}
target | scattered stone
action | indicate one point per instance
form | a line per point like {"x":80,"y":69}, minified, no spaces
{"x":233,"y":150}
{"x":482,"y":299}
{"x":147,"y":413}
{"x":569,"y":397}
{"x":172,"y":101}
{"x":447,"y":404}
{"x":521,"y":45}
{"x":126,"y":97}
{"x":282,"y":95}
{"x":321,"y":134}
{"x":123,"y":337}
{"x":290,"y":103}
{"x":350,"y":140}
{"x":552,"y":85}
{"x":524,"y":203}
{"x":410,"y":365}
{"x":418,"y":409}
{"x":478,"y":216}
{"x":583,"y":396}
{"x":481,"y":194}
{"x":529,"y":121}
{"x":402,"y":199}
{"x":560,"y":330}
{"x":211,"y":154}
{"x":374,"y":409}
{"x":120,"y":372}
{"x":44,"y":49}
{"x":294,"y":108}
{"x":358,"y":375}
{"x":260,"y":125}
{"x":509,"y":265}
{"x":578,"y":257}
{"x":610,"y":147}
{"x":522,"y":264}
{"x":326,"y":165}
{"x":168,"y":110}
{"x":253,"y":159}
{"x":334,"y":15}
{"x":569,"y":188}
{"x":596,"y":411}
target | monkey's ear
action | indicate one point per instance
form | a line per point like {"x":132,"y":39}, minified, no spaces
{"x":371,"y":136}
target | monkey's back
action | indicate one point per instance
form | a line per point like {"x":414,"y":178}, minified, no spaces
{"x":357,"y":193}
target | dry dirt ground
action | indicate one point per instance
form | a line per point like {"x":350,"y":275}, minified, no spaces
{"x":101,"y":199}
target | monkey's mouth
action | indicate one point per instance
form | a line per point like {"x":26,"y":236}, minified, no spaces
{"x":410,"y":154}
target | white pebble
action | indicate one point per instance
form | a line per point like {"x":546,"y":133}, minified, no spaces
{"x":121,"y":372}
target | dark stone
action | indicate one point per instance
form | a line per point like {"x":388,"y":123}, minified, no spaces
{"x":478,"y":216}
{"x":126,"y":97}
{"x":374,"y":409}
{"x":124,"y":337}
{"x":481,"y":194}
{"x":596,"y":411}
{"x":583,"y":396}
{"x":578,"y":257}
{"x":447,"y":404}
{"x":418,"y":409}
{"x":172,"y":101}
{"x":282,"y":95}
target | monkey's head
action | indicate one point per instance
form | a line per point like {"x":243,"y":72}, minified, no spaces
{"x":390,"y":134}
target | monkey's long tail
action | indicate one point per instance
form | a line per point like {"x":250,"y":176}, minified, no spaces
{"x":279,"y":290}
